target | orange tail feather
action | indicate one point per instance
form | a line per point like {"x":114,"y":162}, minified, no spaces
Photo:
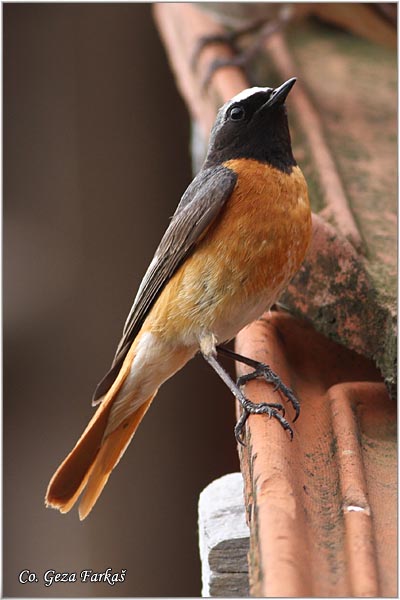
{"x":94,"y":457}
{"x":71,"y":476}
{"x":91,"y":461}
{"x":108,"y":457}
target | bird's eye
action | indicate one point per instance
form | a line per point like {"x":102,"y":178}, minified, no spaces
{"x":237,"y":113}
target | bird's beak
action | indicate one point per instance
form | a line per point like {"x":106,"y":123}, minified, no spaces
{"x":280,"y":93}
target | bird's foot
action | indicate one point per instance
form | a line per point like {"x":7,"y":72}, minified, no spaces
{"x":270,"y":409}
{"x":264,"y":371}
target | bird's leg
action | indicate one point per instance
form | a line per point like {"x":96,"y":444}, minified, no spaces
{"x":261,"y":370}
{"x":241,"y":58}
{"x":249,"y":408}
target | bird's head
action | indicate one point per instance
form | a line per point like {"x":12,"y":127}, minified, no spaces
{"x":253,"y":125}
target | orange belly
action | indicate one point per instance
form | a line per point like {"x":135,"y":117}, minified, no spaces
{"x":244,"y":261}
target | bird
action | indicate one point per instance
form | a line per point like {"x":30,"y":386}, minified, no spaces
{"x":238,"y":235}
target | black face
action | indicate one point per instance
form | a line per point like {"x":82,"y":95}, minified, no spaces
{"x":254,"y":127}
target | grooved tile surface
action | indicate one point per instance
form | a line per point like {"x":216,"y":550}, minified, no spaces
{"x":323,"y":508}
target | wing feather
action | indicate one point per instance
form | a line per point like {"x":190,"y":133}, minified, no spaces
{"x":198,"y":208}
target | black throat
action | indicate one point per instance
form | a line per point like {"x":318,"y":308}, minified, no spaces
{"x":266,"y":140}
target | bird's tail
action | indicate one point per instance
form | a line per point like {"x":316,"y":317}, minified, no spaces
{"x":89,"y":465}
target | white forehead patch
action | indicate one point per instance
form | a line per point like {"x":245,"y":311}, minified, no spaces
{"x":249,"y":92}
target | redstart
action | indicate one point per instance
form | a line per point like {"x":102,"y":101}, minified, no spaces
{"x":237,"y":237}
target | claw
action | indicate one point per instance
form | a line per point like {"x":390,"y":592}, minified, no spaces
{"x":297,"y":409}
{"x":272,"y":410}
{"x":239,"y":427}
{"x":263,"y":370}
{"x":272,"y":405}
{"x":284,"y":423}
{"x":239,"y":439}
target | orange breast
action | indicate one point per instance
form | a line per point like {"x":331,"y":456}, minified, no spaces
{"x":246,"y":258}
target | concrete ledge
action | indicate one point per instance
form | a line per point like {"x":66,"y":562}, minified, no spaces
{"x":224,"y":538}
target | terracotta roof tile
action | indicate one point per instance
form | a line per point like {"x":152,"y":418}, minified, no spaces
{"x":322,"y":513}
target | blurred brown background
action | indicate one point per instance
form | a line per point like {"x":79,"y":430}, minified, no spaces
{"x":95,"y":159}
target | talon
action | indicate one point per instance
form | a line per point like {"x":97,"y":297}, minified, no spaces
{"x":263,"y":370}
{"x":239,"y":427}
{"x":275,"y":410}
{"x":268,"y":407}
{"x":240,"y":381}
{"x":284,"y":424}
{"x":239,"y":440}
{"x":250,"y":408}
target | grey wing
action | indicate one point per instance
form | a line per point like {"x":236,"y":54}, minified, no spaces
{"x":199,"y":206}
